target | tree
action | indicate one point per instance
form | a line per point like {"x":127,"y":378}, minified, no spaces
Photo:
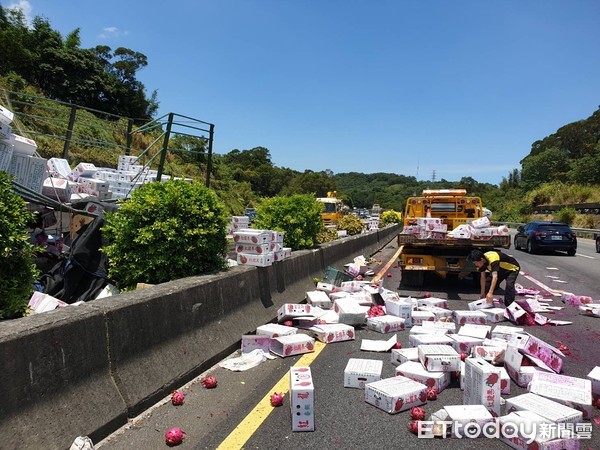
{"x":551,"y":164}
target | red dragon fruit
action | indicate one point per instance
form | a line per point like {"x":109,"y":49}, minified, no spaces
{"x":413,"y":426}
{"x":276,"y":399}
{"x":209,"y":382}
{"x":417,"y":413}
{"x":432,"y":394}
{"x":397,"y":346}
{"x":174,"y":436}
{"x":177,"y":398}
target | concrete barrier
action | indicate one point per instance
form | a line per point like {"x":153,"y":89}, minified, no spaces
{"x":84,"y":370}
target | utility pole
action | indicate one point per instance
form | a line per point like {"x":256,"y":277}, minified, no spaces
{"x":433,"y":176}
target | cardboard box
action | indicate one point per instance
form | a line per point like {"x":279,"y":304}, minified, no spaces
{"x":350,"y":312}
{"x":494,"y":315}
{"x":482,"y":385}
{"x":334,"y":332}
{"x":482,"y":222}
{"x":29,"y":171}
{"x":57,"y":188}
{"x":570,"y":391}
{"x":546,"y":435}
{"x":293,"y":344}
{"x":439,"y":358}
{"x":328,"y":288}
{"x":249,"y":259}
{"x":385,"y":324}
{"x":257,"y":249}
{"x":5,"y":131}
{"x":515,"y":313}
{"x":302,"y":399}
{"x":274,"y":330}
{"x":402,"y":355}
{"x":39,"y":303}
{"x":359,"y":372}
{"x":520,"y":374}
{"x":530,"y":345}
{"x":449,"y":326}
{"x":480,"y":304}
{"x":504,"y":382}
{"x":576,"y":300}
{"x":418,"y":317}
{"x":461,"y":416}
{"x":505,"y":332}
{"x":438,"y":313}
{"x":252,"y":236}
{"x":396,"y":394}
{"x":489,"y":353}
{"x":415,"y":371}
{"x":319,"y":298}
{"x":293,"y":310}
{"x":463,"y":317}
{"x":6,"y":152}
{"x":421,"y":329}
{"x":433,"y":301}
{"x":251,"y":342}
{"x":590,"y":310}
{"x":60,"y":167}
{"x":415,"y":340}
{"x":472,"y":330}
{"x":549,"y":409}
{"x":594,"y":377}
{"x":401,"y":307}
{"x":6,"y":116}
{"x":464,"y":344}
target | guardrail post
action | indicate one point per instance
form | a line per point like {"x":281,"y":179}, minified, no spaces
{"x":128,"y":137}
{"x":163,"y":152}
{"x":69,"y":132}
{"x":209,"y":162}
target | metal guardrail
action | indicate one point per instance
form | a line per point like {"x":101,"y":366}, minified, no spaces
{"x":585,"y":233}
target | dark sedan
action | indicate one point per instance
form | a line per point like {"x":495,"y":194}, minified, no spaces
{"x":541,"y":236}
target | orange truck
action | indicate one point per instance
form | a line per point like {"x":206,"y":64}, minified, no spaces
{"x":438,"y":253}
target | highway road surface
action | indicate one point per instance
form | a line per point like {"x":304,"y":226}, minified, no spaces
{"x":237,"y":413}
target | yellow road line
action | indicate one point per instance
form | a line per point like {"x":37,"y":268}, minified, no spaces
{"x":240,"y":435}
{"x":385,"y":268}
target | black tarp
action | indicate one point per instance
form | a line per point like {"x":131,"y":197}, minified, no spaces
{"x":83,"y":274}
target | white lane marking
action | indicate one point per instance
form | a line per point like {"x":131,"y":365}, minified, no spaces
{"x":551,"y":268}
{"x":585,"y":256}
{"x":540,"y":284}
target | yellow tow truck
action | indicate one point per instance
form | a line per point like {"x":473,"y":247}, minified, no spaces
{"x":333,"y":209}
{"x":438,"y":253}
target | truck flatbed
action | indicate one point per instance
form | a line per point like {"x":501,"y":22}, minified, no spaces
{"x":493,"y":241}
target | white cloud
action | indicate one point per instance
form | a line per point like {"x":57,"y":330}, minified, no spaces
{"x":24,"y":6}
{"x":112,"y":32}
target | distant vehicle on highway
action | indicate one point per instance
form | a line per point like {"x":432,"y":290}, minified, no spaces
{"x":251,"y":213}
{"x":544,"y":236}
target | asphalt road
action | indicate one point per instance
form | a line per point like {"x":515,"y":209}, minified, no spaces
{"x":343,"y":419}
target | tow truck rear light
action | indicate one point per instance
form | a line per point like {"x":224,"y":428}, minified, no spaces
{"x":414,"y":261}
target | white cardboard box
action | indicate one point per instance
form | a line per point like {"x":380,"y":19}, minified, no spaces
{"x":594,"y":377}
{"x":334,"y":332}
{"x":438,"y":313}
{"x":302,"y":399}
{"x":401,"y":307}
{"x":482,"y":385}
{"x":520,"y":374}
{"x":573,"y":392}
{"x":257,"y":249}
{"x":478,"y":331}
{"x":433,"y":301}
{"x":359,"y":372}
{"x":252,"y":236}
{"x":415,"y":371}
{"x":415,"y":340}
{"x":349,"y":311}
{"x":249,"y":259}
{"x":461,"y":416}
{"x":505,"y":332}
{"x":6,"y":116}
{"x":274,"y":330}
{"x":293,"y":344}
{"x":6,"y":152}
{"x":57,"y":188}
{"x":422,"y":329}
{"x":402,"y":355}
{"x":5,"y":131}
{"x":439,"y":358}
{"x":319,"y":298}
{"x":494,"y":315}
{"x":463,"y":317}
{"x":549,"y":356}
{"x":385,"y":324}
{"x":251,"y":342}
{"x":547,"y":436}
{"x":418,"y":317}
{"x":59,"y":166}
{"x":549,"y":409}
{"x":395,"y":394}
{"x":449,"y":326}
{"x":464,"y":344}
{"x":293,"y":310}
{"x":480,"y":304}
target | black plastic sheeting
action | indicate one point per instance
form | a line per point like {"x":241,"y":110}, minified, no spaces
{"x":82,"y":275}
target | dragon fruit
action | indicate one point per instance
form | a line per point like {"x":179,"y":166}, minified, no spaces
{"x":432,"y":394}
{"x":276,"y":399}
{"x":397,"y":345}
{"x":209,"y":382}
{"x":417,"y":413}
{"x":177,"y":398}
{"x":413,"y":426}
{"x":174,"y":436}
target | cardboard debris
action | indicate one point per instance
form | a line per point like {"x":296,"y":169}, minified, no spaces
{"x":402,"y":355}
{"x":415,"y":371}
{"x":549,"y":409}
{"x":369,"y":345}
{"x":336,"y":332}
{"x":359,"y":372}
{"x":570,"y":391}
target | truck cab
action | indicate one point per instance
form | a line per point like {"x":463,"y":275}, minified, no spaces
{"x":333,"y":209}
{"x":451,"y":205}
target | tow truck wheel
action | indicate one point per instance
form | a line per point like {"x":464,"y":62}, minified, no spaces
{"x":413,"y":278}
{"x":598,"y":245}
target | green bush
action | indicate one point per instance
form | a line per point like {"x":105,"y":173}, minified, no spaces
{"x":298,"y":216}
{"x":352,"y":224}
{"x":391,"y":216}
{"x":17,"y":270}
{"x":326,"y":235}
{"x":166,"y":231}
{"x":566,"y":215}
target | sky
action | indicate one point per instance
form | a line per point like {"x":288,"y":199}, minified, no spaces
{"x":435,"y":89}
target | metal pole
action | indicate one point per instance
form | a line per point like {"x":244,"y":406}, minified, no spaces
{"x":163,"y":153}
{"x":128,"y":137}
{"x":209,"y":162}
{"x":69,"y":132}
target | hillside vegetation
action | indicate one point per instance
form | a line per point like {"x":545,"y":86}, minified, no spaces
{"x":40,"y":67}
